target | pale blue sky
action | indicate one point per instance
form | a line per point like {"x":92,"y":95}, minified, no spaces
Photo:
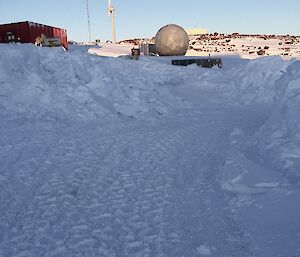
{"x":143,"y":18}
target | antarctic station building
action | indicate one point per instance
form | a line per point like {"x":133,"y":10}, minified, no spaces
{"x":27,"y":32}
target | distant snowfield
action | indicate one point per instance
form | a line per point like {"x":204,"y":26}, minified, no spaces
{"x":113,"y":157}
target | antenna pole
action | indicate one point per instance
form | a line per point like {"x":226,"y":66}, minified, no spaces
{"x":111,"y":11}
{"x":88,"y":18}
{"x":113,"y":27}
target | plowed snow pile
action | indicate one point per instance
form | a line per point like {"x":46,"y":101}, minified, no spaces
{"x":115,"y":157}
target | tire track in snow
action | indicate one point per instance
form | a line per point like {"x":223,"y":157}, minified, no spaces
{"x":138,"y":194}
{"x":24,"y":174}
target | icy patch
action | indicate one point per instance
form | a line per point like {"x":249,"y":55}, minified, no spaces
{"x":267,"y":185}
{"x":260,"y":188}
{"x":247,"y":181}
{"x":203,"y":250}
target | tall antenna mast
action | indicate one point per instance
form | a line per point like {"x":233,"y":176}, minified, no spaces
{"x":88,"y":18}
{"x":111,"y":11}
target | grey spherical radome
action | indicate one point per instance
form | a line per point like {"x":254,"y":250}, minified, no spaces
{"x":171,"y":40}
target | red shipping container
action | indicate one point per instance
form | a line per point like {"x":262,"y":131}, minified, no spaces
{"x":27,"y":32}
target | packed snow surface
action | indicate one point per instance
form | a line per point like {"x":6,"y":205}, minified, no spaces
{"x":112,"y":157}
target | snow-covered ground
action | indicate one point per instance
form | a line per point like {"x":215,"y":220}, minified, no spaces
{"x":110,"y":50}
{"x":115,"y":157}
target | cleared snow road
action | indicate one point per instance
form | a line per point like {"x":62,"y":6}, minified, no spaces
{"x":139,"y":191}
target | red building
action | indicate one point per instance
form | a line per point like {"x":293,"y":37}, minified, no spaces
{"x":27,"y":32}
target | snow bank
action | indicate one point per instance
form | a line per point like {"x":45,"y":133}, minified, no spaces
{"x":254,"y":83}
{"x":280,"y":136}
{"x":47,"y":82}
{"x":51,"y":83}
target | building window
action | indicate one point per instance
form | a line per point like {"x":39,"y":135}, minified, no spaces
{"x":10,"y":37}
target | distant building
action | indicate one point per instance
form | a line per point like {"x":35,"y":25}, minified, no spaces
{"x":27,"y":32}
{"x":196,"y":31}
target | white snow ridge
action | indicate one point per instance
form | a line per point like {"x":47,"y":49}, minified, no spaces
{"x":112,"y":157}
